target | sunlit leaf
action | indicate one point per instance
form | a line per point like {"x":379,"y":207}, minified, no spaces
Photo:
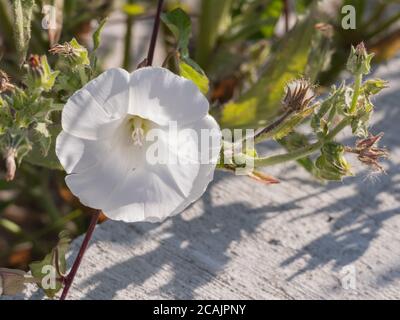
{"x":200,"y":79}
{"x":179,"y":23}
{"x":97,"y":34}
{"x":133,"y":9}
{"x":262,"y":102}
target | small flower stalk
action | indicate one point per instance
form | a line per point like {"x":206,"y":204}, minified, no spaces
{"x":369,"y":153}
{"x":298,"y":96}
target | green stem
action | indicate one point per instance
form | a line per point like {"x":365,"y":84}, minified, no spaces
{"x":213,"y":14}
{"x":290,"y":156}
{"x":356,"y":94}
{"x":302,"y":152}
{"x":384,"y":26}
{"x":126,"y":64}
{"x":82,"y":75}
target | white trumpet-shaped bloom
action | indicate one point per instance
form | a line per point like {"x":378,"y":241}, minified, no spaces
{"x":116,"y":144}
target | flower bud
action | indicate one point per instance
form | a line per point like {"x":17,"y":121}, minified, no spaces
{"x":5,"y":84}
{"x":72,"y":50}
{"x":332,"y":164}
{"x":10,"y":164}
{"x":359,"y":61}
{"x":40,"y":76}
{"x":11,"y":281}
{"x":374,"y":86}
{"x":298,"y":96}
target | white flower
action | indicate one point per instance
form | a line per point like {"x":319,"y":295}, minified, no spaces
{"x":103,"y":146}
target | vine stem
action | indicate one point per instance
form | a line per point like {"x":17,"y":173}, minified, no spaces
{"x":302,"y":152}
{"x":89,"y":233}
{"x":286,"y":14}
{"x":154,"y":35}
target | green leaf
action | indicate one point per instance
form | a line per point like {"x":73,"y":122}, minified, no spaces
{"x":22,"y":12}
{"x":97,"y":34}
{"x":43,"y":137}
{"x":45,"y":269}
{"x":262,"y":102}
{"x":49,"y":161}
{"x":200,"y":79}
{"x":179,"y":23}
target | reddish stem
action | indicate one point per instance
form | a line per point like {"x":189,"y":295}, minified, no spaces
{"x":286,"y":13}
{"x":89,"y":233}
{"x":154,"y":35}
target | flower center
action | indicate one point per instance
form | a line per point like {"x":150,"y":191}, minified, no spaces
{"x":138,"y":126}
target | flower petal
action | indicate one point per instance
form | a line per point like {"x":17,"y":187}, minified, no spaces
{"x":99,"y":172}
{"x":157,"y":191}
{"x":159,"y":95}
{"x":206,"y":170}
{"x":92,"y":111}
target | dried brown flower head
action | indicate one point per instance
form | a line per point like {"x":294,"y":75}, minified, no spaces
{"x":368,"y":152}
{"x":299,"y":94}
{"x":65,"y":49}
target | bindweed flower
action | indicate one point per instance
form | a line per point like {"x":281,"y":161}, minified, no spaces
{"x":368,"y":152}
{"x":298,"y":96}
{"x":108,"y":147}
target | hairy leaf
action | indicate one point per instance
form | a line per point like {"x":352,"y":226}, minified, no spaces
{"x":22,"y":12}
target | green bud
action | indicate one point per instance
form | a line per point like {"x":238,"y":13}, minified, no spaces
{"x":40,"y":76}
{"x":76,"y":54}
{"x":359,"y":61}
{"x":374,"y":86}
{"x":331,"y":163}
